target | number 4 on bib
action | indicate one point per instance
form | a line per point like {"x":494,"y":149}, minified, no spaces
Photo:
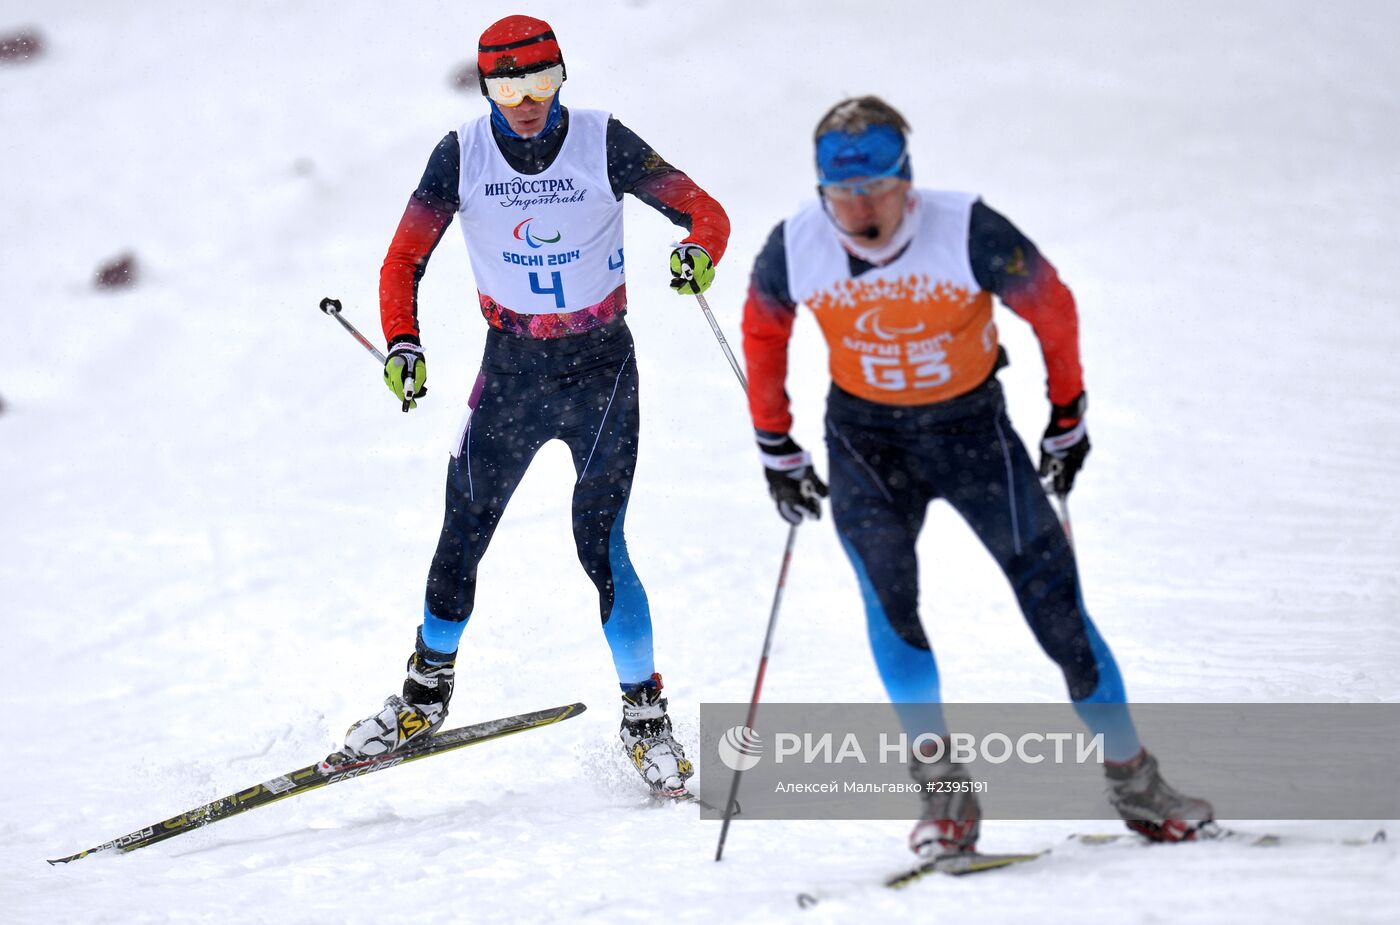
{"x":556,"y":288}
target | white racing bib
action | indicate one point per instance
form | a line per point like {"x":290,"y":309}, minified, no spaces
{"x":545,"y":243}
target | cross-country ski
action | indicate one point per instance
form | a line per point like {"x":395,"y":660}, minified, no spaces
{"x":323,"y":774}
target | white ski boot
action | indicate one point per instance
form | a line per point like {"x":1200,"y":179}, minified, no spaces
{"x":952,"y":815}
{"x":404,"y":719}
{"x":1150,"y":806}
{"x":648,"y":743}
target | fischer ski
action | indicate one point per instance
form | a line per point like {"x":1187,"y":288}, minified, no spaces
{"x":1213,"y":832}
{"x":323,"y":774}
{"x":954,"y":865}
{"x":959,"y":865}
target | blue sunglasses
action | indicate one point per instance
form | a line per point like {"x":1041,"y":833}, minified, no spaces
{"x":873,"y":185}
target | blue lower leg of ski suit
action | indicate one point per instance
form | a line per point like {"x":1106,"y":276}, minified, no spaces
{"x":888,"y":463}
{"x":581,"y":389}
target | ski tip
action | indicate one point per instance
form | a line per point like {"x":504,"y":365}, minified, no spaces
{"x":1098,"y":838}
{"x":560,"y":713}
{"x":54,"y":862}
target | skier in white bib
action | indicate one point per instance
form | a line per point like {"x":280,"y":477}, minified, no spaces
{"x":537,"y":189}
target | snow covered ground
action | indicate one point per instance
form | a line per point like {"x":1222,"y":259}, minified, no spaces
{"x":217,"y":523}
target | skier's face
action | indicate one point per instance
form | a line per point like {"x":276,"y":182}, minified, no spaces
{"x":872,"y":218}
{"x":527,"y":120}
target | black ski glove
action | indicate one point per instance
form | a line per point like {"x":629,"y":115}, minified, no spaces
{"x":792,"y":482}
{"x":1065,"y":444}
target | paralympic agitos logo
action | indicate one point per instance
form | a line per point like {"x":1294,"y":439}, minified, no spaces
{"x":523,"y":232}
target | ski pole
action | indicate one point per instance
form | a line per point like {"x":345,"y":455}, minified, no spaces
{"x":723,"y":344}
{"x":332,"y":307}
{"x":1062,"y":502}
{"x":1061,"y":505}
{"x":730,"y":804}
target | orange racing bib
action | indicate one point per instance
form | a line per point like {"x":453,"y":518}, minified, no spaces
{"x":915,"y":331}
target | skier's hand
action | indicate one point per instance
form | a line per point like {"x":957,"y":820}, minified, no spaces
{"x":792,"y":482}
{"x":1065,"y":444}
{"x":406,"y":373}
{"x":692,"y":271}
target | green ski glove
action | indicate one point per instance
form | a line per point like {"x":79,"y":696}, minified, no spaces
{"x":406,"y":373}
{"x":692,"y":271}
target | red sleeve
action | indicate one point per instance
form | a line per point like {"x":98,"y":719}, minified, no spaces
{"x":1048,"y":305}
{"x":674,"y":192}
{"x":767,"y":328}
{"x":769,"y":312}
{"x":418,"y":233}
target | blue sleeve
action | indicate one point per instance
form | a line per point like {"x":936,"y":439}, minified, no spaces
{"x":634,"y":166}
{"x":1002,"y":257}
{"x":439,"y":186}
{"x":630,"y":160}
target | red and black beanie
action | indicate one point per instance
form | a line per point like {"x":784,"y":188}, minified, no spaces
{"x":516,"y":45}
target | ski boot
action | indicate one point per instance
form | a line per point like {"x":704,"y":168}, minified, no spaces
{"x":648,"y":743}
{"x":1149,"y":805}
{"x":405,"y":719}
{"x":952,"y":815}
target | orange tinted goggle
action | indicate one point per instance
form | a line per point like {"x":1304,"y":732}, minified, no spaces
{"x":538,"y":86}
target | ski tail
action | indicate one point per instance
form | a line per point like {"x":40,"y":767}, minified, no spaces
{"x":956,"y":864}
{"x":1213,"y":831}
{"x":313,"y":777}
{"x":959,"y":865}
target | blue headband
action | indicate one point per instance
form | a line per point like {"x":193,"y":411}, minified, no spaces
{"x":877,"y":151}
